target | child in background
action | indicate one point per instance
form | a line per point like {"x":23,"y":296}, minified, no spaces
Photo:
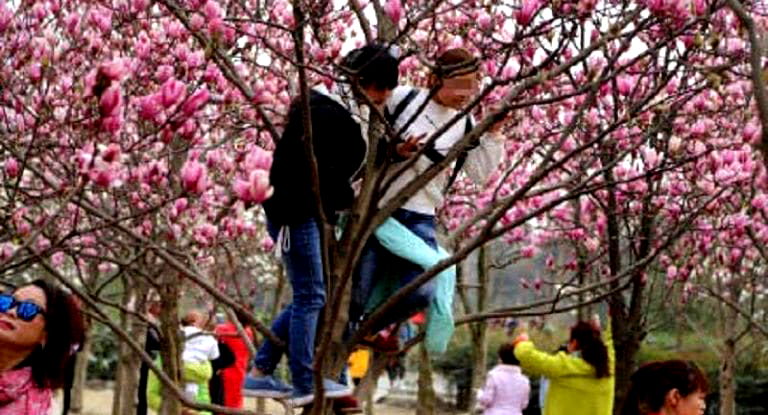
{"x":506,"y":390}
{"x":199,"y":347}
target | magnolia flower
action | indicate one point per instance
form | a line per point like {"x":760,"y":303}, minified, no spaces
{"x":110,"y":102}
{"x":255,"y":189}
{"x":197,"y":100}
{"x":113,"y":70}
{"x":194,"y":177}
{"x":11,"y":167}
{"x":267,"y":244}
{"x":528,"y":251}
{"x":205,"y":234}
{"x":112,"y":124}
{"x":258,"y":159}
{"x":102,"y":176}
{"x":172,"y":91}
{"x":6,"y":251}
{"x":150,"y":106}
{"x":524,"y":16}
{"x":484,"y":21}
{"x":394,"y":10}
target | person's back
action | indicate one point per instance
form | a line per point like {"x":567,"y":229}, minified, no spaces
{"x":506,"y":390}
{"x":575,"y":387}
{"x":199,"y":348}
{"x":512,"y":390}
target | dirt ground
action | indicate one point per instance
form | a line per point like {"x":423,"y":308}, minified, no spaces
{"x":99,"y":402}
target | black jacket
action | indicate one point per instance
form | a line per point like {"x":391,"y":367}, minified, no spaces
{"x":339,"y":149}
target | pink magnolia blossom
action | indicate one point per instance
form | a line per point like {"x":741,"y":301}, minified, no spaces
{"x":113,"y":70}
{"x":57,"y":259}
{"x":255,"y":189}
{"x":258,"y":159}
{"x":751,"y":133}
{"x":11,"y":167}
{"x":194,"y":177}
{"x":394,"y":9}
{"x":150,"y":106}
{"x":6,"y":251}
{"x":112,"y":124}
{"x":527,"y":10}
{"x":111,"y":153}
{"x":206,"y":233}
{"x":267,"y":244}
{"x":172,"y":91}
{"x":528,"y":251}
{"x":484,"y":21}
{"x":197,"y":100}
{"x":35,"y":72}
{"x":103,"y":176}
{"x":111,"y":101}
{"x":196,"y":22}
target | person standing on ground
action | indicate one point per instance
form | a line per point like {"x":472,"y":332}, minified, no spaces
{"x":233,"y":376}
{"x":152,"y":348}
{"x":585,"y":374}
{"x":506,"y":390}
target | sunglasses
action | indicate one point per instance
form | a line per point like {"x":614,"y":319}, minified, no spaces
{"x":25,"y":310}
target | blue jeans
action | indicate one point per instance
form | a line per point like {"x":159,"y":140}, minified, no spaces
{"x":297,"y":323}
{"x":375,"y":257}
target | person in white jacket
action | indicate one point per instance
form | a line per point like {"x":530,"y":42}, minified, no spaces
{"x":457,"y":79}
{"x":507,"y":390}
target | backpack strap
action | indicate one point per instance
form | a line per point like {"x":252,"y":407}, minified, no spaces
{"x":400,"y":107}
{"x":463,"y":156}
{"x":430,"y":152}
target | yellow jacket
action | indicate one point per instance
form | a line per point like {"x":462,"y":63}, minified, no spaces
{"x":198,"y":373}
{"x":573,"y":387}
{"x":358,"y":363}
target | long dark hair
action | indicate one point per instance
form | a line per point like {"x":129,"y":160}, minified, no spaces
{"x":64,"y":328}
{"x":651,"y":383}
{"x":592,"y":348}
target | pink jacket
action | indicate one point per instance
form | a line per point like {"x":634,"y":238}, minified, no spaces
{"x":506,"y":391}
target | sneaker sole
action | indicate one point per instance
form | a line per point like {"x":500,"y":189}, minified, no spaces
{"x":300,"y":401}
{"x":254,"y":393}
{"x":338,"y":393}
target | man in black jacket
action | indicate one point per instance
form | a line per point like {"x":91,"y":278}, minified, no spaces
{"x":339,"y":126}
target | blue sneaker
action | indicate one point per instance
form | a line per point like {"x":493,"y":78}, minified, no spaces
{"x":266,"y":387}
{"x":299,"y":399}
{"x":335,"y":389}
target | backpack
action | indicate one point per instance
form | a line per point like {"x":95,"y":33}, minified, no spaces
{"x":430,"y":152}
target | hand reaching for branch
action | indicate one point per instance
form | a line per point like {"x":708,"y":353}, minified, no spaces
{"x":410,"y":146}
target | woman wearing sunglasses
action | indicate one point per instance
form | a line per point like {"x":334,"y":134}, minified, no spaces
{"x":39,"y":324}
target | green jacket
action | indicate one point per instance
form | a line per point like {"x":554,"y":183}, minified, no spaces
{"x":198,"y":373}
{"x":573,"y":387}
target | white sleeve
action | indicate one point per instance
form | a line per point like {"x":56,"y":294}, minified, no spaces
{"x":213,"y":349}
{"x":398,"y":94}
{"x":484,"y":159}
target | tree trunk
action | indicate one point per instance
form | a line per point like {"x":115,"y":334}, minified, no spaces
{"x":127,"y":378}
{"x":426,"y":403}
{"x":727,"y":379}
{"x":170,"y":351}
{"x":128,"y":365}
{"x":727,"y":372}
{"x":81,"y":375}
{"x":627,"y":336}
{"x":479,"y":331}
